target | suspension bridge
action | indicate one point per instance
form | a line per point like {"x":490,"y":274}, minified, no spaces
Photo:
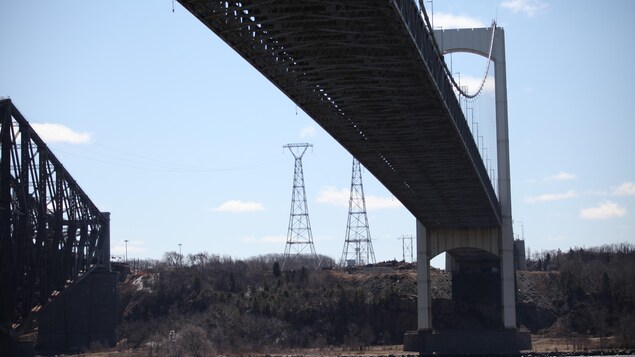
{"x":371,"y":73}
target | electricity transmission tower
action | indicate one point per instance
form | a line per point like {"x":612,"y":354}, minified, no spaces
{"x":358,"y":247}
{"x":299,"y":236}
{"x":407,"y":247}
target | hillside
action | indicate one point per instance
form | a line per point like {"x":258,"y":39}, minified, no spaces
{"x":228,"y":305}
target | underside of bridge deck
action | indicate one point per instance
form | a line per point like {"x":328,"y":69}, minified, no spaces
{"x":367,"y":71}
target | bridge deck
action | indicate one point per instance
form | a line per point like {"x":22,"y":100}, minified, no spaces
{"x":367,"y":72}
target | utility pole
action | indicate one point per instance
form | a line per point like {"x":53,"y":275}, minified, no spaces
{"x":180,"y":255}
{"x":358,"y":246}
{"x":299,"y":235}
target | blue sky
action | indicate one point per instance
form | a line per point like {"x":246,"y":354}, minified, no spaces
{"x":163,"y":125}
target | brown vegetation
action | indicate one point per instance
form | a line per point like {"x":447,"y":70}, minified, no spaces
{"x":253,"y":306}
{"x":208,"y":304}
{"x":587,"y":292}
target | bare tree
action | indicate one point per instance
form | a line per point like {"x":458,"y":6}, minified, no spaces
{"x":194,"y":340}
{"x":172,"y":258}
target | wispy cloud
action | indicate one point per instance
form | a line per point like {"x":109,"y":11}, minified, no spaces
{"x":374,"y":202}
{"x":333,"y":196}
{"x":528,"y":7}
{"x":625,"y":189}
{"x":57,"y":133}
{"x":309,"y":131}
{"x":237,"y":206}
{"x":451,"y":21}
{"x":339,"y":197}
{"x":561,"y":176}
{"x":548,"y":197}
{"x":604,"y":210}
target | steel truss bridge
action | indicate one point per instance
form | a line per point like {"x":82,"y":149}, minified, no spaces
{"x":52,"y":233}
{"x":369,"y":72}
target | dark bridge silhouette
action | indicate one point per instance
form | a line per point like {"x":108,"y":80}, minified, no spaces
{"x":371,"y":74}
{"x":53,"y":241}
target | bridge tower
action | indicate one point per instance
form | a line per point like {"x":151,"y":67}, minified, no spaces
{"x":299,"y":237}
{"x":358,"y":247}
{"x":486,"y":248}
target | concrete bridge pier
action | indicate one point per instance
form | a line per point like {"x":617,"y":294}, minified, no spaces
{"x":478,"y":280}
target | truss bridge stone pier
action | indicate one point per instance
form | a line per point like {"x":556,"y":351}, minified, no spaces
{"x":84,"y":314}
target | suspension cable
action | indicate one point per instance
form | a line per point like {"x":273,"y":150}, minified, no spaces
{"x":445,"y":67}
{"x":485,"y":74}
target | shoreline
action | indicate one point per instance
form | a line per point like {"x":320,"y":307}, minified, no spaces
{"x":542,"y":347}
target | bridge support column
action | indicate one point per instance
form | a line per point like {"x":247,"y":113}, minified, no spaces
{"x":504,"y":183}
{"x":474,"y":271}
{"x":424,"y":317}
{"x":477,"y":41}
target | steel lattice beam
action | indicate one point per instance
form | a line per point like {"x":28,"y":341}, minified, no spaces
{"x":52,"y":233}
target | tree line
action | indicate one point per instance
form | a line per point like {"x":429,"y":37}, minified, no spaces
{"x":596,"y":290}
{"x":255,"y":305}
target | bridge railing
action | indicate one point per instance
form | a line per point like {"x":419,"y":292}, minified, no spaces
{"x":437,"y":69}
{"x":52,"y":234}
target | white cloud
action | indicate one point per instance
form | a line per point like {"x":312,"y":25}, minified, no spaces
{"x":474,"y":83}
{"x":339,"y":197}
{"x":625,"y":189}
{"x":237,"y":206}
{"x":561,"y":176}
{"x":450,"y":21}
{"x":57,"y":133}
{"x":374,"y":202}
{"x":309,"y":131}
{"x":274,"y":239}
{"x":528,"y":7}
{"x":605,"y":210}
{"x":332,"y":196}
{"x":548,"y":197}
